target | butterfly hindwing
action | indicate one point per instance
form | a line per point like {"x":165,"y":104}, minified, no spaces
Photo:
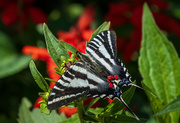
{"x":98,"y":84}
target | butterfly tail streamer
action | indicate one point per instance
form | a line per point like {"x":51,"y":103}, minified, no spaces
{"x":141,"y":88}
{"x":124,"y":103}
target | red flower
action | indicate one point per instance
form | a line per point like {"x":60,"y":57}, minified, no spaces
{"x":42,"y":55}
{"x":14,"y":14}
{"x":119,"y":14}
{"x":80,"y":33}
{"x":67,"y":111}
{"x":36,"y":104}
{"x":130,"y":11}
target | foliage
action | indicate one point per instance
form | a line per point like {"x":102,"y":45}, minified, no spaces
{"x":160,"y":67}
{"x":34,"y":116}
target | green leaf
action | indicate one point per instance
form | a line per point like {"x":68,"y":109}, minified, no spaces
{"x":55,"y":48}
{"x":103,"y":27}
{"x":54,"y":117}
{"x":43,"y":108}
{"x":68,"y":47}
{"x":24,"y":114}
{"x":159,"y":65}
{"x":107,"y":26}
{"x":122,"y":119}
{"x":38,"y":77}
{"x":51,"y":80}
{"x":73,"y":119}
{"x":172,"y":106}
{"x":95,"y":111}
{"x":11,"y":61}
{"x":91,"y":103}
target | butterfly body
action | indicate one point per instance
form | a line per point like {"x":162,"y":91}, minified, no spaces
{"x":84,"y":79}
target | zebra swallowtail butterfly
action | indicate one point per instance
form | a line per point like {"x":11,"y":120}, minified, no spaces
{"x":83,"y":78}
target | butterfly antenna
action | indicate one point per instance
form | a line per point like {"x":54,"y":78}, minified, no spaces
{"x":123,"y":102}
{"x":141,"y":88}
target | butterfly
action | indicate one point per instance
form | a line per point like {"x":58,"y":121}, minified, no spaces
{"x":84,"y":77}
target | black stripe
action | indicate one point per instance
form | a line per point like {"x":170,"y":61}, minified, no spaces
{"x":66,"y":74}
{"x":80,"y":75}
{"x":103,"y":37}
{"x":93,"y":45}
{"x":65,"y":81}
{"x":59,"y":85}
{"x":95,"y":41}
{"x":100,"y":39}
{"x":91,"y":81}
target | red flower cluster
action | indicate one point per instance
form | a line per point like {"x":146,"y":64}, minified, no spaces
{"x":130,"y":11}
{"x":80,"y":33}
{"x":41,"y":54}
{"x":14,"y":12}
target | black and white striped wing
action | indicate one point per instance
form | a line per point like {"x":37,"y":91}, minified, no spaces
{"x":76,"y":82}
{"x":72,"y":85}
{"x":102,"y":49}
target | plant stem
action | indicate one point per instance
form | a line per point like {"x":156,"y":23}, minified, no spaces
{"x":81,"y":112}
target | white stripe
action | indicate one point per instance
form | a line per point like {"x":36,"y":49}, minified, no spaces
{"x":92,"y":46}
{"x":95,"y":43}
{"x":79,"y":69}
{"x":100,"y":43}
{"x":99,"y":59}
{"x":70,"y":73}
{"x":94,"y":77}
{"x":110,"y":96}
{"x":103,"y":95}
{"x":64,"y":97}
{"x":94,"y":96}
{"x":57,"y":88}
{"x":122,"y":64}
{"x":65,"y":78}
{"x":100,"y":38}
{"x":127,"y":74}
{"x":52,"y":93}
{"x":62,"y":82}
{"x":112,"y":61}
{"x":102,"y":34}
{"x":104,"y":52}
{"x":110,"y":42}
{"x":77,"y":82}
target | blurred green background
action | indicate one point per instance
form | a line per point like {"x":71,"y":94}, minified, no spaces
{"x":21,"y":25}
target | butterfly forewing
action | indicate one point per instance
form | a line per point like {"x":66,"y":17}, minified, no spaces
{"x":102,"y":49}
{"x":71,"y":86}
